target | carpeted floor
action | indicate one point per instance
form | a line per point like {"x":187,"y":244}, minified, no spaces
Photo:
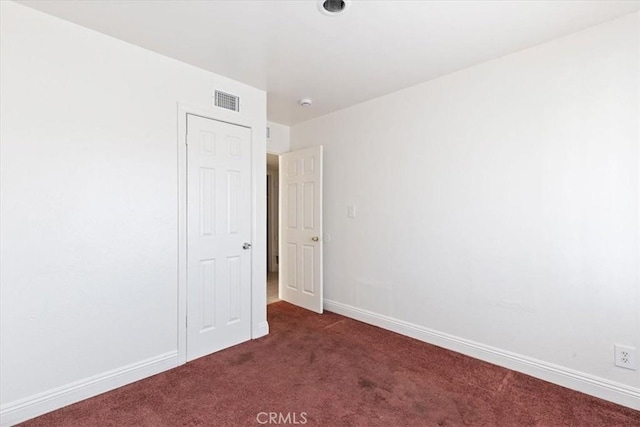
{"x":332,"y":371}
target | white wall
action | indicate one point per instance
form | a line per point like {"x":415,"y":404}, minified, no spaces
{"x":497,"y":209}
{"x":89,"y":195}
{"x":279,"y":142}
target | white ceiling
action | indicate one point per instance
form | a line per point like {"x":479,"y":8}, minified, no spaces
{"x":293,"y":51}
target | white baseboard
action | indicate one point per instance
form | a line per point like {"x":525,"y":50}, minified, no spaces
{"x":33,"y":406}
{"x":261,"y":330}
{"x":575,"y":380}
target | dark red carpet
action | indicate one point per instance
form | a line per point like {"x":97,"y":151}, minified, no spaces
{"x":333,"y":371}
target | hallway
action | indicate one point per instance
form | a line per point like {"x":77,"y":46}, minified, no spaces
{"x":272,"y":287}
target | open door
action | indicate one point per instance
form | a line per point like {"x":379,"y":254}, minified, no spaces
{"x":301,"y":228}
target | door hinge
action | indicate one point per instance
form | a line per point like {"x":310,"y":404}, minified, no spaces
{"x":186,"y":322}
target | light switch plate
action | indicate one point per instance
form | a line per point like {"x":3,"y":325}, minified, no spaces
{"x":351,"y":211}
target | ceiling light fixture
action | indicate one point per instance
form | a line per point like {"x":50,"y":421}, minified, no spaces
{"x":333,"y":7}
{"x":304,"y":102}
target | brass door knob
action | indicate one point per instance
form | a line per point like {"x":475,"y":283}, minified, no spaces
{"x":315,"y":239}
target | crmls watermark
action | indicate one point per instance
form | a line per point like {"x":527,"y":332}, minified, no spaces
{"x":276,"y":418}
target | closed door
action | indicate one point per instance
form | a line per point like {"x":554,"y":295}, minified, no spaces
{"x":218,"y":235}
{"x":301,"y":228}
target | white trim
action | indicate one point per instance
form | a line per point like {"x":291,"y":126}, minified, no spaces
{"x":589,"y":384}
{"x":261,"y":330}
{"x":41,"y":403}
{"x":258,"y":280}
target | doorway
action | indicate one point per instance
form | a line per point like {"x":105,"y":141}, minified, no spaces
{"x":294,"y":228}
{"x":273,"y":215}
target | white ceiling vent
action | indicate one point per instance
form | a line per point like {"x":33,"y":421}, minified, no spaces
{"x":226,"y":100}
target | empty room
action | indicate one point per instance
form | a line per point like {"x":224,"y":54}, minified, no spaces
{"x":327,"y":213}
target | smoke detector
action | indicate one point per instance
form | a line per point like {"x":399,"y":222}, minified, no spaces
{"x":305,"y":102}
{"x":333,"y":7}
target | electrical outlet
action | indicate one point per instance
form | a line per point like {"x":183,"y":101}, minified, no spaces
{"x":625,"y":356}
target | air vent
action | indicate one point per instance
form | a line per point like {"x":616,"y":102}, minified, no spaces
{"x":268,"y":132}
{"x":226,"y":100}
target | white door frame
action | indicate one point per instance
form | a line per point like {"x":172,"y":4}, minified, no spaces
{"x":259,"y":325}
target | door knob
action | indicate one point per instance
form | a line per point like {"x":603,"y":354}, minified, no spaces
{"x":246,"y":245}
{"x":315,"y":238}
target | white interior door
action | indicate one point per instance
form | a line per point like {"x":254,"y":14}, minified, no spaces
{"x":218,"y":235}
{"x":301,"y":228}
